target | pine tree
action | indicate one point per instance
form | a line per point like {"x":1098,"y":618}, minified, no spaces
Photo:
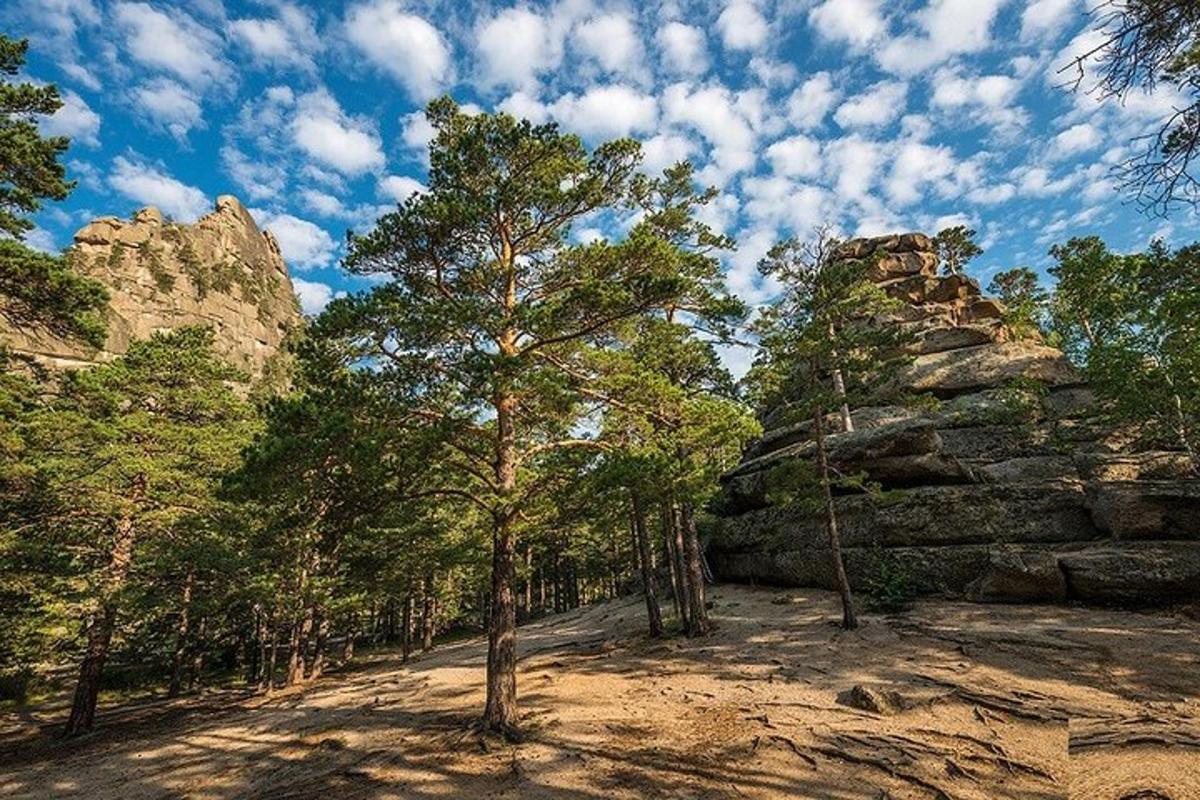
{"x":820,"y":327}
{"x":37,"y":291}
{"x":1130,"y":321}
{"x":956,"y":246}
{"x":488,"y":305}
{"x":126,"y":460}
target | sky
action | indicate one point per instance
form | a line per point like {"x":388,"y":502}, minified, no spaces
{"x":865,"y":115}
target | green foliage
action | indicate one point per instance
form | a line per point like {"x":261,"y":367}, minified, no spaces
{"x":890,"y":585}
{"x":1130,"y":321}
{"x":38,"y":292}
{"x":144,"y":440}
{"x":955,"y":247}
{"x":923,"y":401}
{"x":150,"y":257}
{"x":41,"y":292}
{"x":29,"y":166}
{"x":820,"y":326}
{"x":1024,"y":300}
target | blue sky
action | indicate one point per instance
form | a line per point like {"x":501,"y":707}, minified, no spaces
{"x":867,"y":115}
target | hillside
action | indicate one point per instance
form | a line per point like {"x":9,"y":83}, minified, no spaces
{"x":1069,"y":706}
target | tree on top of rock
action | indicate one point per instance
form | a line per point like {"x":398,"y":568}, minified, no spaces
{"x":955,"y":247}
{"x":1130,"y":320}
{"x":819,"y":351}
{"x":490,"y":305}
{"x":1024,"y":300}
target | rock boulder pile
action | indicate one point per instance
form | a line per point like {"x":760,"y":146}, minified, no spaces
{"x":221,"y":271}
{"x":998,"y":481}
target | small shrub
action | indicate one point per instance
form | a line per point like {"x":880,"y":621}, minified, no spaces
{"x":889,"y":585}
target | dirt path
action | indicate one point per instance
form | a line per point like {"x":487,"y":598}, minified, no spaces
{"x":980,"y":702}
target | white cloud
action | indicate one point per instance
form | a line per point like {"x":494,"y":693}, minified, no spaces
{"x":304,"y":245}
{"x":880,"y":105}
{"x":988,"y":99}
{"x":612,"y":41}
{"x":991,"y":195}
{"x":513,"y":47}
{"x":289,"y":40}
{"x":684,"y":48}
{"x":855,"y":22}
{"x":812,"y":101}
{"x":1047,"y":18}
{"x":743,"y":277}
{"x":853,"y":164}
{"x":1037,"y":182}
{"x":324,"y":132}
{"x":742,"y":26}
{"x":524,"y":106}
{"x":147,"y":184}
{"x":402,"y":44}
{"x":993,"y":91}
{"x":399,"y":187}
{"x":798,"y":156}
{"x":172,"y":42}
{"x":665,"y":150}
{"x":917,"y":164}
{"x":322,"y":203}
{"x":168,"y":104}
{"x":773,"y":73}
{"x":948,"y":28}
{"x":313,"y":295}
{"x":1075,"y":140}
{"x":723,"y":118}
{"x":75,"y":119}
{"x":606,"y":112}
{"x":41,"y":240}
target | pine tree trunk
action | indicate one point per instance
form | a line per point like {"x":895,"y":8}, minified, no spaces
{"x":500,"y":708}
{"x":528,"y":582}
{"x":254,"y":676}
{"x":273,"y":657}
{"x":181,"y":636}
{"x":675,"y":541}
{"x":351,"y":635}
{"x":849,"y":619}
{"x":427,"y":615}
{"x":301,"y":630}
{"x":649,"y":590}
{"x":406,"y":634}
{"x":100,"y":630}
{"x":318,"y":660}
{"x":697,"y":623}
{"x":839,"y":386}
{"x":500,"y":711}
{"x":198,"y":648}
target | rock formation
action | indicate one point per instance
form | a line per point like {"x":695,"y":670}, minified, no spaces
{"x":220,"y":271}
{"x":999,"y":483}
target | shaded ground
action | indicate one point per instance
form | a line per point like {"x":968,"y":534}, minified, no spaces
{"x":985,"y":702}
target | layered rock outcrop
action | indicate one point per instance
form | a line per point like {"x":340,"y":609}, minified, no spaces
{"x":999,"y":482}
{"x":220,"y":271}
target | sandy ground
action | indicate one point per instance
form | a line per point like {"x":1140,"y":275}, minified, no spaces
{"x":981,"y":702}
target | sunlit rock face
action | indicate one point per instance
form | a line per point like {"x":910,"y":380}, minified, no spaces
{"x":999,"y":484}
{"x":220,"y":271}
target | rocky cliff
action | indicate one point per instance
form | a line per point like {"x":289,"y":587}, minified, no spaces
{"x":220,"y":271}
{"x":999,"y":482}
